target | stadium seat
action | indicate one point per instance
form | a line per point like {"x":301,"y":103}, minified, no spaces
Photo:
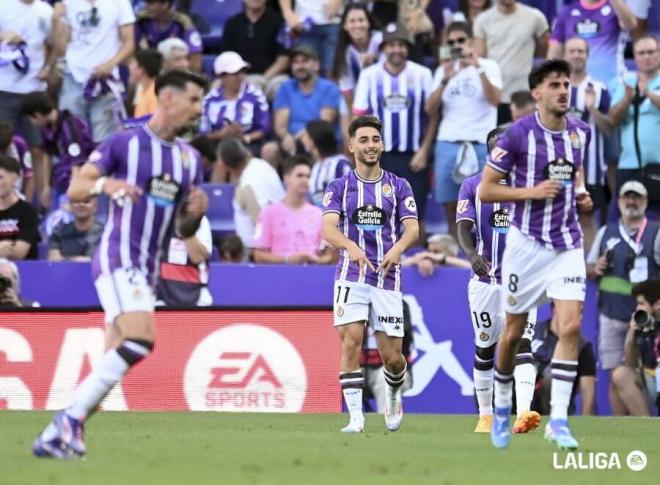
{"x":434,"y":219}
{"x":42,"y":250}
{"x":221,"y":210}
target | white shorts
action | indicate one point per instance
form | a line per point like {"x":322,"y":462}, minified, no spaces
{"x":360,"y":302}
{"x":125,"y":290}
{"x":487,"y":314}
{"x":532,"y":273}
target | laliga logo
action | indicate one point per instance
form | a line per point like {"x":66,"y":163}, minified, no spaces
{"x":247,"y":368}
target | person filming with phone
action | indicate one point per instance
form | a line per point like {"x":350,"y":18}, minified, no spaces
{"x":466,"y":91}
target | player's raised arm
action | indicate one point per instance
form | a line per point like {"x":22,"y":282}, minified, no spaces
{"x":89,"y":181}
{"x":493,"y":191}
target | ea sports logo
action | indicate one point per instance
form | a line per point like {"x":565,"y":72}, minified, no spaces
{"x":245,"y":367}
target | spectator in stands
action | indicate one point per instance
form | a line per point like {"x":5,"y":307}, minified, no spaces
{"x":468,"y":11}
{"x":257,"y":185}
{"x":466,"y":92}
{"x":602,"y":25}
{"x":624,"y":252}
{"x":395,"y":90}
{"x":253,"y":34}
{"x":543,"y":345}
{"x":441,"y":250}
{"x":590,"y":101}
{"x":289,"y":232}
{"x":17,"y":148}
{"x":315,"y":23}
{"x":526,"y":31}
{"x":304,"y":98}
{"x":522,"y":104}
{"x":19,"y":221}
{"x":358,"y":46}
{"x":143,"y":70}
{"x":232,"y":250}
{"x":236,"y":108}
{"x":207,"y":149}
{"x":636,"y":109}
{"x":159,"y":21}
{"x":10,"y":287}
{"x":175,"y":54}
{"x":321,"y":144}
{"x":76,"y":240}
{"x":184,"y":269}
{"x":66,"y":138}
{"x":94,"y":38}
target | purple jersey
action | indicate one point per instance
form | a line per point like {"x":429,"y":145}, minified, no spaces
{"x":134,"y":234}
{"x":530,"y":153}
{"x":323,"y":173}
{"x":491,"y":223}
{"x":249,"y":109}
{"x":148,"y":34}
{"x":19,"y":149}
{"x":599,"y":26}
{"x":370,"y":214}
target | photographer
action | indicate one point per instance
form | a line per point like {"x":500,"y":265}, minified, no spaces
{"x":643,"y":344}
{"x":624,"y":253}
{"x":10,"y":287}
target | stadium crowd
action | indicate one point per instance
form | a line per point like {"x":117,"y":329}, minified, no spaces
{"x":286,"y":78}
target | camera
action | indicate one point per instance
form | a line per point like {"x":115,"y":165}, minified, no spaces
{"x":644,"y":320}
{"x":5,"y":284}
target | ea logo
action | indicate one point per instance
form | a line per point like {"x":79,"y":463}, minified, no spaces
{"x":245,"y":367}
{"x":636,"y":460}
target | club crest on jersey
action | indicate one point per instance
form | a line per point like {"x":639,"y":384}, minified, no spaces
{"x":387,"y":190}
{"x":162,"y":190}
{"x":499,"y":220}
{"x":327,"y":198}
{"x":483,"y":336}
{"x":185,"y":158}
{"x":369,"y":218}
{"x":340,"y":311}
{"x":497,"y":154}
{"x":576,"y":142}
{"x":561,"y":170}
{"x":396,"y":102}
{"x":511,"y":300}
{"x":462,"y":206}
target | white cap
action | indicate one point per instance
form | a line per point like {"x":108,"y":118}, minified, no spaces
{"x":633,"y":186}
{"x":229,"y":62}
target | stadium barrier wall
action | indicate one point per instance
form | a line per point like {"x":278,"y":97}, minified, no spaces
{"x":247,"y":361}
{"x":442,"y":371}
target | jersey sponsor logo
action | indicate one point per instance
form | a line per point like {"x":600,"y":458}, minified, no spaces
{"x":387,"y":190}
{"x":396,"y":102}
{"x":570,"y":280}
{"x":561,"y":170}
{"x":241,"y":368}
{"x":163,"y":190}
{"x":498,"y":154}
{"x":499,"y":220}
{"x":390,"y":320}
{"x":369,"y":218}
{"x":9,"y":227}
{"x":462,"y":206}
{"x":410,"y":204}
{"x":587,"y":28}
{"x":327,"y":198}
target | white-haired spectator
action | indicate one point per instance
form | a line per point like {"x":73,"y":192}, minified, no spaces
{"x":442,"y":250}
{"x":175,"y":54}
{"x":10,"y":287}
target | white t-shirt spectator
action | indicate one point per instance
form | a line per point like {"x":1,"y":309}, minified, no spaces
{"x":33,"y":22}
{"x":95,"y":35}
{"x":466,"y":113}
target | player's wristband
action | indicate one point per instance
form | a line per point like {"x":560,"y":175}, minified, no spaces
{"x":581,"y":189}
{"x":98,"y":186}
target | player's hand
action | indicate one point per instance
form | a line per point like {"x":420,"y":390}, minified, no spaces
{"x":356,"y":255}
{"x":448,"y":68}
{"x":479,"y":265}
{"x":232,"y":130}
{"x":293,"y":22}
{"x":119,"y":190}
{"x":601,"y":265}
{"x":104,"y":70}
{"x":198,"y":203}
{"x":584,"y":202}
{"x":390,"y":260}
{"x":629,"y":92}
{"x":426,"y":267}
{"x":288,"y":144}
{"x":419,"y":161}
{"x":548,"y":189}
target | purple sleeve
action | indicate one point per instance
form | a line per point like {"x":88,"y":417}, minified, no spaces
{"x":465,"y":210}
{"x":332,"y":197}
{"x":262,"y":120}
{"x":406,"y":205}
{"x":605,"y":101}
{"x":104,"y":157}
{"x":194,"y":40}
{"x":558,"y":33}
{"x":503,"y":156}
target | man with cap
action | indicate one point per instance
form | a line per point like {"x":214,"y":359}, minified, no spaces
{"x":299,"y":100}
{"x":624,"y":253}
{"x":395,"y":91}
{"x":236,"y":108}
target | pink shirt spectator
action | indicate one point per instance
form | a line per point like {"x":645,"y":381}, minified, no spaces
{"x":284,"y":231}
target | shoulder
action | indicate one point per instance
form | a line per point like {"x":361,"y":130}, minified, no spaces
{"x":577,"y":123}
{"x":20,"y":142}
{"x":371,"y":70}
{"x":212,"y":95}
{"x":419,"y":69}
{"x":182,"y":19}
{"x":326,"y":85}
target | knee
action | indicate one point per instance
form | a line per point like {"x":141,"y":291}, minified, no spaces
{"x":570,"y":329}
{"x":621,"y":376}
{"x":350,"y":342}
{"x":393,"y":361}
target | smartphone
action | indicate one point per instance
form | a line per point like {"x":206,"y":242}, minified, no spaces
{"x":444,"y":53}
{"x":456,"y":52}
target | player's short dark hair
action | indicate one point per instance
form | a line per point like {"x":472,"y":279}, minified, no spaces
{"x":363,"y":122}
{"x":37,"y":102}
{"x":542,"y":71}
{"x":293,"y":161}
{"x":520,"y":99}
{"x":322,"y":134}
{"x":459,"y":26}
{"x":150,"y":60}
{"x":178,"y":78}
{"x":6,"y":134}
{"x":649,"y":289}
{"x":10,"y":164}
{"x":232,"y":152}
{"x":494,"y":135}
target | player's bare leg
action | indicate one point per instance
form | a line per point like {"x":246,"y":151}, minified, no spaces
{"x":394,"y":369}
{"x":350,"y":373}
{"x":507,"y":346}
{"x":564,"y":372}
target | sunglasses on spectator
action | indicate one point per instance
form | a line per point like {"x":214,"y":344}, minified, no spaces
{"x":459,"y":41}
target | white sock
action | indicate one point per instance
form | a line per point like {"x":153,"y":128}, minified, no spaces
{"x":352,"y":384}
{"x":503,"y":388}
{"x":564,"y":373}
{"x":525,"y":379}
{"x":97,"y":384}
{"x":483,"y":386}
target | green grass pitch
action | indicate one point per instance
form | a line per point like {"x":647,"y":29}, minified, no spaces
{"x":224,"y":448}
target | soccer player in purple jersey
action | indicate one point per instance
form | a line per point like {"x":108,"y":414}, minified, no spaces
{"x":151,"y":177}
{"x":369,"y":215}
{"x":490,"y":223}
{"x":542,"y":156}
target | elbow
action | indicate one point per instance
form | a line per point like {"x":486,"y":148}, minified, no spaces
{"x":486,"y":195}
